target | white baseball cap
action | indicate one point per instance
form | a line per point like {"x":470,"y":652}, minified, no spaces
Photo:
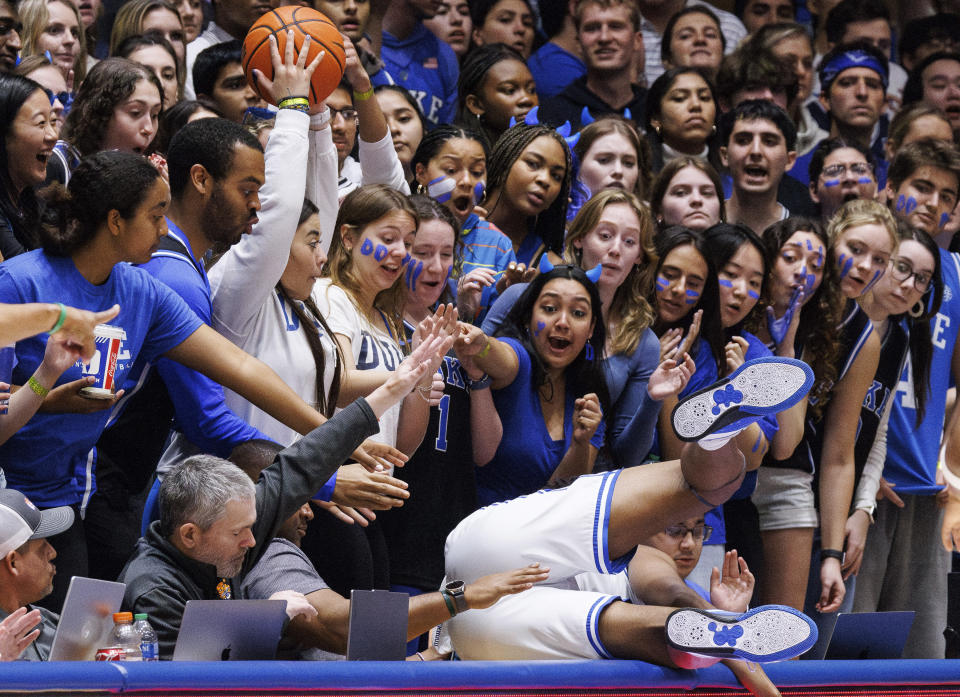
{"x":21,"y":521}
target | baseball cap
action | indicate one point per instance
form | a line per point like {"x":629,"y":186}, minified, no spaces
{"x":21,"y":521}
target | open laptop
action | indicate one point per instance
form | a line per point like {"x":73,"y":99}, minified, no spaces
{"x":230,"y":630}
{"x":87,"y":619}
{"x":378,"y":626}
{"x":865,"y":635}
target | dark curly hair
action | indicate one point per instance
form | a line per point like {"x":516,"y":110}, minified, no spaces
{"x":109,"y":83}
{"x":103,"y":182}
{"x":585,"y":374}
{"x":820,"y":317}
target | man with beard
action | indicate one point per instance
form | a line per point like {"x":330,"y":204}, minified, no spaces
{"x":758,"y":145}
{"x":215,"y":522}
{"x":840,"y":171}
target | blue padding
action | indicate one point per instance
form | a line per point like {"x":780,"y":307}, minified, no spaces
{"x":345,"y":676}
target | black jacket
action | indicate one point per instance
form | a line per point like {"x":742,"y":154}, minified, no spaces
{"x":160,"y":579}
{"x":568,"y":105}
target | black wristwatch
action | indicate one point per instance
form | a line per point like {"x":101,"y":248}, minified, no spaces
{"x":455,"y":590}
{"x":831,"y":554}
{"x":481,"y":383}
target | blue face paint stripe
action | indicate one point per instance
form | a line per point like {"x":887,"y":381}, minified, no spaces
{"x":692,"y":297}
{"x":829,"y":183}
{"x":540,"y":327}
{"x":864,"y":180}
{"x":752,"y":294}
{"x":725,"y":283}
{"x":877,"y":275}
{"x":379,"y":253}
{"x":662,"y":283}
{"x":944,"y":219}
{"x":845,"y":263}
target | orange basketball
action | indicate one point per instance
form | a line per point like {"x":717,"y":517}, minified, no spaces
{"x":303,"y":21}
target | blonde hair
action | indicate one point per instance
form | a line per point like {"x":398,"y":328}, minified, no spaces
{"x":36,"y":17}
{"x":129,"y":21}
{"x":862,"y":212}
{"x":630,"y":309}
{"x":363,"y":207}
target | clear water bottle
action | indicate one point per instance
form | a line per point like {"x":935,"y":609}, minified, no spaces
{"x":149,"y":644}
{"x":126,"y":637}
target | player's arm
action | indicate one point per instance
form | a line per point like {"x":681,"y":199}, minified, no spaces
{"x":656,"y":581}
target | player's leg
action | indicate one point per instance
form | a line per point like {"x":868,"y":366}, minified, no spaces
{"x":647,"y":499}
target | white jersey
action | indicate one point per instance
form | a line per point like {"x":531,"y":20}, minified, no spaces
{"x":373,"y":349}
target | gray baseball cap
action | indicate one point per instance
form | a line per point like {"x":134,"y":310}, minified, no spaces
{"x":21,"y":521}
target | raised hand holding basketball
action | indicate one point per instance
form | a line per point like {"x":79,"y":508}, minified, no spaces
{"x":353,"y":70}
{"x":291,"y":77}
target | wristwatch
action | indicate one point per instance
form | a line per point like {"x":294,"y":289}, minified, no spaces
{"x":455,"y":590}
{"x":481,"y":383}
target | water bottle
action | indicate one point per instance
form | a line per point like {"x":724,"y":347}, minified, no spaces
{"x":149,"y":645}
{"x":126,"y":637}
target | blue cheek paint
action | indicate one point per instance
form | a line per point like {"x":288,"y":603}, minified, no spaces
{"x":441,"y":189}
{"x":901,"y":202}
{"x":944,"y":219}
{"x":828,"y":183}
{"x":725,"y":283}
{"x":845,"y":263}
{"x":406,"y":260}
{"x":379,"y":253}
{"x":819,"y":255}
{"x":662,"y":283}
{"x":864,"y":180}
{"x":877,"y":275}
{"x":478,"y":191}
{"x":366,"y":249}
{"x":414,"y":269}
{"x":809,"y":246}
{"x":540,"y":327}
{"x":754,"y":295}
{"x":692,"y":297}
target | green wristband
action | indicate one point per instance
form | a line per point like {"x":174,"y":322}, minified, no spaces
{"x":61,"y":320}
{"x":449,"y":601}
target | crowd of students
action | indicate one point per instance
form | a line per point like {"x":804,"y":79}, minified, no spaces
{"x":604,"y":206}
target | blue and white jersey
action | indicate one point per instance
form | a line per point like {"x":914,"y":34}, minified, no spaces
{"x":52,"y":458}
{"x":912,"y":450}
{"x":427,"y":68}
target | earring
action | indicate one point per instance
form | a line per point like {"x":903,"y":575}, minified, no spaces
{"x":588,"y":352}
{"x":917,"y":310}
{"x":656,"y":129}
{"x":713,"y":130}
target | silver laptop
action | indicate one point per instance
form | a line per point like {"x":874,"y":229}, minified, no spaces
{"x":86,"y":622}
{"x":230,"y":630}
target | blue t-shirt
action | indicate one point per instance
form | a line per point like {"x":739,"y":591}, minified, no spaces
{"x":485,"y":247}
{"x":427,"y":68}
{"x":201,"y":411}
{"x":633,"y":414}
{"x":553,"y":68}
{"x":913,"y":451}
{"x":52,"y":458}
{"x":527,"y":455}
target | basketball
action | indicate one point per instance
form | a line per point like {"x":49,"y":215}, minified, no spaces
{"x":304,"y":21}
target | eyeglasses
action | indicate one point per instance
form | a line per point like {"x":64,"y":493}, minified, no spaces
{"x":348,"y":113}
{"x":66,"y":98}
{"x":699,"y":532}
{"x":901,"y":270}
{"x":861,"y":169}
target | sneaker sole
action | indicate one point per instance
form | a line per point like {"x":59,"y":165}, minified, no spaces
{"x":758,"y":387}
{"x":762,"y":635}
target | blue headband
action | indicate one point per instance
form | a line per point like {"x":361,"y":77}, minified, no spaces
{"x":854,"y":58}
